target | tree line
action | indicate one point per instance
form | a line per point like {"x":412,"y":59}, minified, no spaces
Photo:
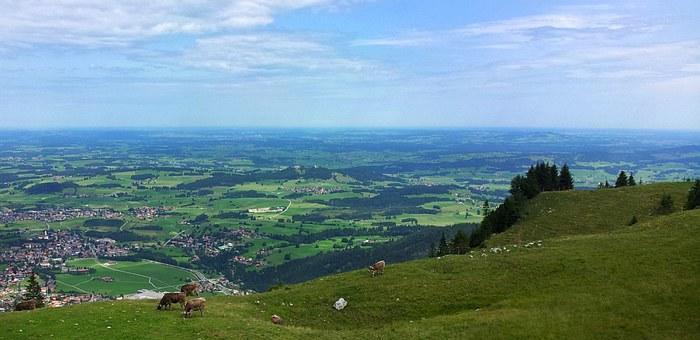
{"x":412,"y":245}
{"x":622,"y":181}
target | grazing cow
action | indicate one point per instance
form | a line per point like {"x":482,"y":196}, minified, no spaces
{"x":170,"y":298}
{"x":189,"y":289}
{"x":377,"y":268}
{"x":26,"y":305}
{"x":196,"y":304}
{"x":276,"y":319}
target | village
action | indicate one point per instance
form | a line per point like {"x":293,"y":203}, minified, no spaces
{"x":56,"y":214}
{"x":214,"y":245}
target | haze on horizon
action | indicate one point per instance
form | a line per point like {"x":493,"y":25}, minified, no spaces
{"x":350,"y":63}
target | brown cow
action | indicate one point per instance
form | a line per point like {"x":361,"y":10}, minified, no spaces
{"x":169,"y":298}
{"x":190,"y":289}
{"x":377,"y":268}
{"x":26,"y":305}
{"x":194,"y":305}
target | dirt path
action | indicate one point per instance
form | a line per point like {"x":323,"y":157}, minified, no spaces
{"x":126,"y":272}
{"x":283,"y":211}
{"x":70,"y":285}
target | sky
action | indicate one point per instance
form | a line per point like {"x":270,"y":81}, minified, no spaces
{"x":350,"y":63}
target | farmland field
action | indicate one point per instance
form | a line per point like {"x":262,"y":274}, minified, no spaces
{"x":124,"y":277}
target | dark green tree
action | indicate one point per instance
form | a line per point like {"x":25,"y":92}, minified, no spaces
{"x":566,"y":181}
{"x":630,"y":181}
{"x":694,"y":196}
{"x":621,"y":180}
{"x":607,"y":184}
{"x":485,"y":208}
{"x":443,"y":247}
{"x":525,"y":186}
{"x":34,"y":291}
{"x":633,"y":220}
{"x":460,"y":243}
{"x":553,"y":178}
{"x":665,"y":205}
{"x":432,"y":252}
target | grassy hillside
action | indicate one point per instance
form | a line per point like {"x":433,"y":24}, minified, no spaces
{"x":586,"y":212}
{"x":632,"y":282}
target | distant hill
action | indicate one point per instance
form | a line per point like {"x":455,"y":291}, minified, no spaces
{"x":601,"y":279}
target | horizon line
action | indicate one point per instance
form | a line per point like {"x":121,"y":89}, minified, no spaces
{"x":325,"y":127}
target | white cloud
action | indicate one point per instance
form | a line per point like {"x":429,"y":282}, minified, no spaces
{"x":577,"y":42}
{"x":549,"y":21}
{"x":112,"y":22}
{"x":268,"y":53}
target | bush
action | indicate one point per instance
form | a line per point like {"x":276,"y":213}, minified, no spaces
{"x":665,"y":205}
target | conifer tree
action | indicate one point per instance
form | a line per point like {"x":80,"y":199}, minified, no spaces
{"x":694,"y":196}
{"x":34,"y":291}
{"x":621,"y":180}
{"x":553,"y":178}
{"x":486,"y":209}
{"x":630,"y":181}
{"x":566,"y":182}
{"x":665,"y":205}
{"x":432,"y":251}
{"x":443,"y":247}
{"x":460,"y":243}
{"x":607,"y":184}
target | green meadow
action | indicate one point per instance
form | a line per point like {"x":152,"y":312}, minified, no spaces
{"x":127,"y":276}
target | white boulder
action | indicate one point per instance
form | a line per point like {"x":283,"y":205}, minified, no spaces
{"x":340,"y":304}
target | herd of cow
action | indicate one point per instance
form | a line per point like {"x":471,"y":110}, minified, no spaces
{"x":188,"y":306}
{"x":195,"y":304}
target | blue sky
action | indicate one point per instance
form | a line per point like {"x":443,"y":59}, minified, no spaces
{"x":331,"y":63}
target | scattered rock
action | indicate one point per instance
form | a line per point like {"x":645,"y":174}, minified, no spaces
{"x":340,"y":304}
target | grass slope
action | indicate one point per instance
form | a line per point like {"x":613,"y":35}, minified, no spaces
{"x":578,"y":212}
{"x":632,"y":282}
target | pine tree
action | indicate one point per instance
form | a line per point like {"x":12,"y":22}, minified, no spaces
{"x":607,"y":184}
{"x":486,"y":209}
{"x":665,"y":205}
{"x":630,"y":181}
{"x":553,"y":178}
{"x":621,"y":180}
{"x":443,"y":248}
{"x":460,"y":243}
{"x":34,"y":291}
{"x":432,"y":251}
{"x":566,"y":182}
{"x":694,"y":196}
{"x":522,"y":185}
